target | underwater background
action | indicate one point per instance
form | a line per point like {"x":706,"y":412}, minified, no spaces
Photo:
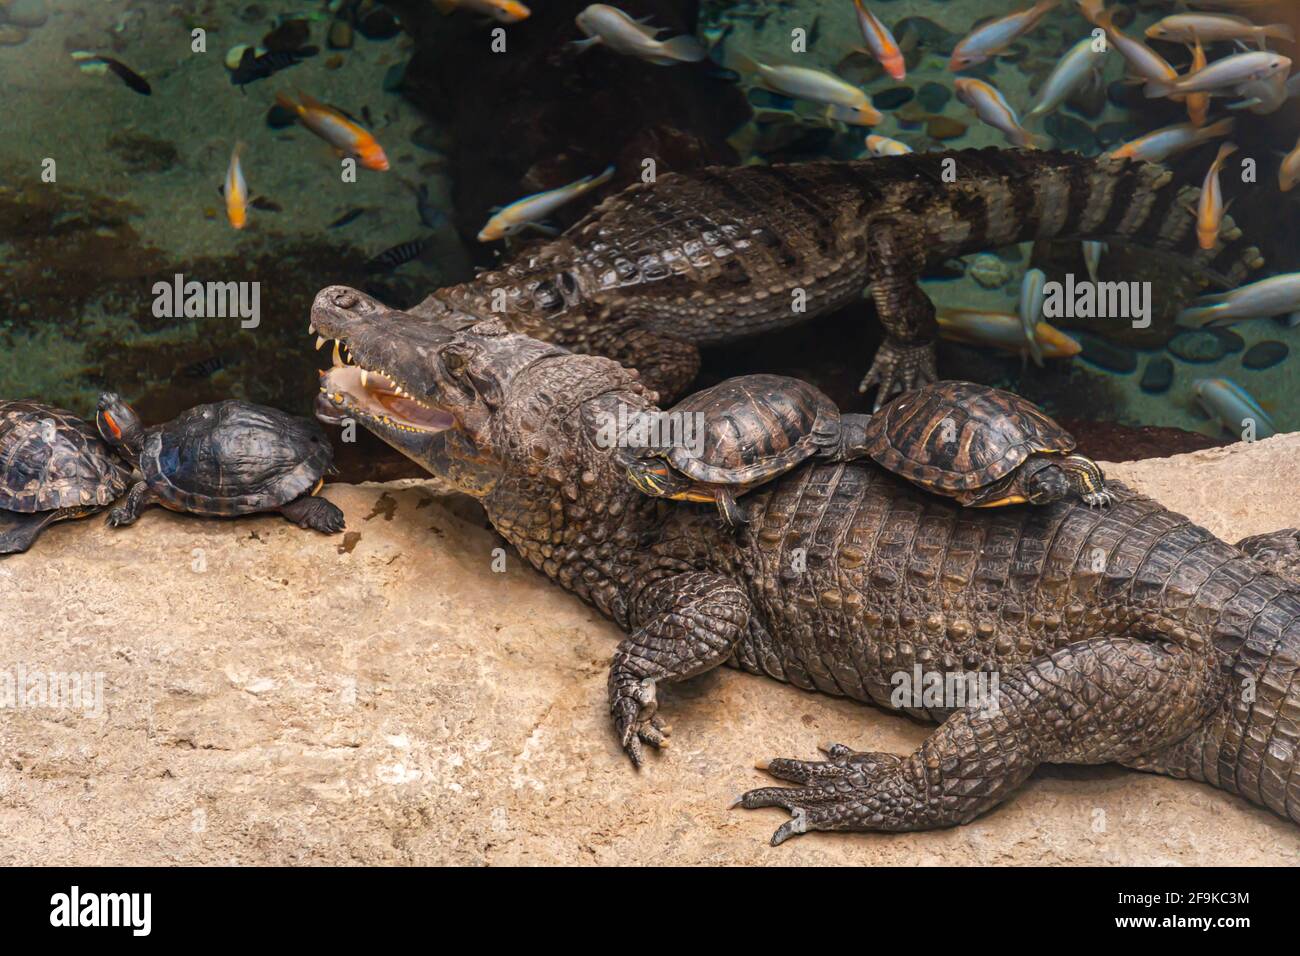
{"x":119,"y":133}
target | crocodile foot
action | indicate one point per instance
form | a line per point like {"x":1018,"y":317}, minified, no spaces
{"x":847,"y":792}
{"x":635,"y":720}
{"x":900,"y":368}
{"x":1279,"y":551}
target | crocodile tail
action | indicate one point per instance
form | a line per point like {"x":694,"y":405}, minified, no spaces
{"x":987,"y":198}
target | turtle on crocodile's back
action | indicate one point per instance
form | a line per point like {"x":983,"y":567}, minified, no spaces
{"x":52,"y":467}
{"x":751,"y":429}
{"x":981,"y":446}
{"x":225,"y":459}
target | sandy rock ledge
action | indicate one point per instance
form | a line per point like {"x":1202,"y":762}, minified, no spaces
{"x":270,"y":696}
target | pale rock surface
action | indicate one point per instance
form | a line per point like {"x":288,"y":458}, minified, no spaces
{"x":270,"y":697}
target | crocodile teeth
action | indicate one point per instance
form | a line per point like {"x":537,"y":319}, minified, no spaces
{"x":320,"y":340}
{"x":311,"y":327}
{"x":337,"y":359}
{"x":364,"y":376}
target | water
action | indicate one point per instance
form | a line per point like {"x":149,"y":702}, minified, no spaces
{"x":106,"y":193}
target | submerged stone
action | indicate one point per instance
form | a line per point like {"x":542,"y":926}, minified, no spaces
{"x":934,"y":96}
{"x":1158,"y":376}
{"x":1264,"y":355}
{"x":1107,"y":355}
{"x":894,"y":98}
{"x":1198,"y":345}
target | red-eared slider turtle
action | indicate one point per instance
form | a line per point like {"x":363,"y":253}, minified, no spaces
{"x":225,"y":459}
{"x":52,"y":466}
{"x":982,"y":446}
{"x":729,"y":439}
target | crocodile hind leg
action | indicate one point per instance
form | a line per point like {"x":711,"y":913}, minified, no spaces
{"x":19,"y":531}
{"x":1096,"y":701}
{"x":1279,"y":551}
{"x":688,"y":624}
{"x":906,"y":358}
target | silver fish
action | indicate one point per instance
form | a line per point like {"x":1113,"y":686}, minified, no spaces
{"x":1279,"y":295}
{"x":1226,"y":74}
{"x":1031,"y":310}
{"x":1077,"y":68}
{"x":616,"y":30}
{"x":1233,"y":407}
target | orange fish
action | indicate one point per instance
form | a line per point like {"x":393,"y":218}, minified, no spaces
{"x":1198,"y":104}
{"x":342,"y":133}
{"x":1209,"y":213}
{"x":236,"y":191}
{"x":880,"y":42}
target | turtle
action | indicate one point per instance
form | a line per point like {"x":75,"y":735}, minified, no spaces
{"x":52,"y":467}
{"x":982,"y":446}
{"x":719,"y":443}
{"x":223,"y":459}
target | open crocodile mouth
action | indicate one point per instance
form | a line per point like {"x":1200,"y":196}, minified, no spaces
{"x":376,"y":397}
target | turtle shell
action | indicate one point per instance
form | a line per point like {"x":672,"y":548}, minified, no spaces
{"x":51,"y":459}
{"x":233,"y":458}
{"x":957,"y":436}
{"x":755,"y":427}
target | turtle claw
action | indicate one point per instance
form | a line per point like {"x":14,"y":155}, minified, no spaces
{"x":1098,"y":499}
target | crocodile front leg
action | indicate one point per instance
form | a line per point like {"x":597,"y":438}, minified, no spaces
{"x":691,"y":622}
{"x":1092,"y":702}
{"x":906,"y":358}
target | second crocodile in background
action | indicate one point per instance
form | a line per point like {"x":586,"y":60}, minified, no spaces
{"x":713,"y":256}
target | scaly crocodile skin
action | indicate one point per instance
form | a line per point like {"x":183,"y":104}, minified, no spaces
{"x":1126,"y":634}
{"x":709,"y":257}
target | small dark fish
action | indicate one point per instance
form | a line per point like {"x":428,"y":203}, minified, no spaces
{"x":350,"y":216}
{"x":205,"y":368}
{"x":253,"y":67}
{"x":399,"y":255}
{"x":430,"y":214}
{"x":127,"y":75}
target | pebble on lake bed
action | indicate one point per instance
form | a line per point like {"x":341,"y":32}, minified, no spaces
{"x":11,"y":35}
{"x":989,"y":271}
{"x":1264,"y":355}
{"x":25,"y":13}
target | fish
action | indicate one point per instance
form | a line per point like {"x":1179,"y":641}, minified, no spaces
{"x":847,"y":103}
{"x":531,"y":209}
{"x":205,"y":368}
{"x":1224,"y":74}
{"x":1031,"y":311}
{"x":884,"y":146}
{"x":1214,"y":28}
{"x":236,"y":191}
{"x":612,"y":28}
{"x":1092,"y":253}
{"x":1210,"y":208}
{"x":1232,"y":407}
{"x":1289,"y":174}
{"x":1143,"y":61}
{"x":97,"y":63}
{"x":502,"y":11}
{"x":350,"y":216}
{"x":333,"y":126}
{"x":253,"y":67}
{"x":430,"y":215}
{"x":880,"y":42}
{"x":992,"y":108}
{"x":398,"y":255}
{"x":1083,"y":64}
{"x":987,"y":41}
{"x":1198,"y":104}
{"x":1158,"y":146}
{"x":1265,"y":96}
{"x":1277,"y":295}
{"x":1002,"y":330}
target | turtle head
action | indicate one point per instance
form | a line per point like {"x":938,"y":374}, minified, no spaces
{"x":1047,"y":477}
{"x":120,"y":426}
{"x":653,"y":476}
{"x":1086,"y":480}
{"x":466,"y":398}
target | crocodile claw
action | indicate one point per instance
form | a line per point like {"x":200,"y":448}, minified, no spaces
{"x":899,"y":368}
{"x":636,"y":722}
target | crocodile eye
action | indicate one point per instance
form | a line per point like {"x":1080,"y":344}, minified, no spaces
{"x":547,"y":296}
{"x":568,"y":285}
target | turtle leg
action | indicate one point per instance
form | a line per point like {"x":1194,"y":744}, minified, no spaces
{"x":18,"y":531}
{"x":137,"y":499}
{"x":310,"y":511}
{"x":728,"y":510}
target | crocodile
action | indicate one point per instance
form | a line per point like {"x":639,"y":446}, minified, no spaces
{"x":712,"y":256}
{"x":1126,"y":634}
